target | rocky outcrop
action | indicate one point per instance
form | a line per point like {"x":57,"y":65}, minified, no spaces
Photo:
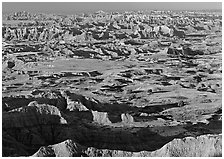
{"x":31,"y":126}
{"x":127,"y":118}
{"x":186,"y":51}
{"x":67,"y":148}
{"x":31,"y":115}
{"x":201,"y":146}
{"x":41,"y":97}
{"x":101,"y":117}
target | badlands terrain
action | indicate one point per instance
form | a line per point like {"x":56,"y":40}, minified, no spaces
{"x":112,"y":84}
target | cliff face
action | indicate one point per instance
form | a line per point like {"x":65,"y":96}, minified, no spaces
{"x":205,"y":145}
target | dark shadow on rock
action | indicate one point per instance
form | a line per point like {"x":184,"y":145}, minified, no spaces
{"x":114,"y":117}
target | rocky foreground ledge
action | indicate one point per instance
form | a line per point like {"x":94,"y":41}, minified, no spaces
{"x":201,"y":146}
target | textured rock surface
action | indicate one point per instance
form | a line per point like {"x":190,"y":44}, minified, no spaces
{"x":201,"y":146}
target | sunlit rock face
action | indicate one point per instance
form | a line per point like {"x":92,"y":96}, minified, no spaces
{"x":187,"y":147}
